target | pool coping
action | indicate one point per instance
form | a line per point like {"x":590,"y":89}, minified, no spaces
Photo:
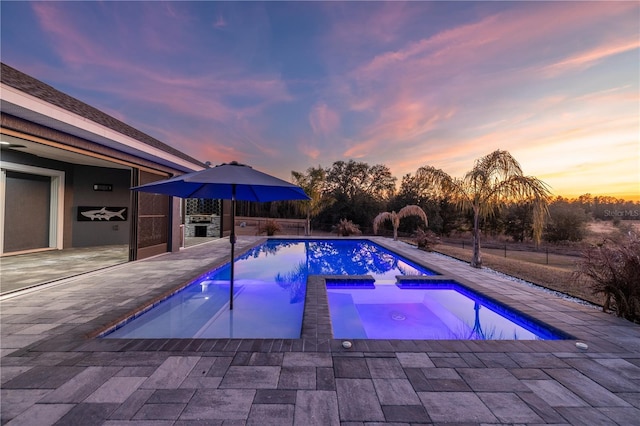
{"x":316,"y":328}
{"x":52,"y":372}
{"x":312,"y":323}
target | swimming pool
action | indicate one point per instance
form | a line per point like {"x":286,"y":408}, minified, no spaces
{"x":270,"y":289}
{"x":424,"y":310}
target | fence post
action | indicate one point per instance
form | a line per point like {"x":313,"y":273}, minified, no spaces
{"x":505,"y":250}
{"x":547,"y":250}
{"x":463,"y":245}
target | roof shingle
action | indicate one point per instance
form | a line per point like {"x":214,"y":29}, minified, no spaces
{"x":27,"y":84}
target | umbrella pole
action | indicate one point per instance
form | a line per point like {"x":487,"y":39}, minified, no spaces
{"x":232,"y":239}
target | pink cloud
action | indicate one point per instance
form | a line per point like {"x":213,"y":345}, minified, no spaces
{"x":250,"y":135}
{"x":221,"y":154}
{"x":397,"y":129}
{"x":513,"y":34}
{"x":159,"y":26}
{"x":417,"y":90}
{"x":446,"y":44}
{"x":240,"y":139}
{"x":379,"y":22}
{"x":323,"y":119}
{"x":309,"y":151}
{"x":220,"y":22}
{"x":592,"y":56}
{"x":227,"y":95}
{"x":205,"y":144}
{"x":71,"y":43}
{"x":441,"y":98}
{"x":453,"y":156}
{"x":614,"y":95}
{"x":547,"y":136}
{"x":204,"y":97}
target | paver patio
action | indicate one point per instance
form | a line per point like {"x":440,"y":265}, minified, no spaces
{"x":54,"y":371}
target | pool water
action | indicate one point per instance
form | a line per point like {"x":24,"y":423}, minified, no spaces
{"x":270,"y":288}
{"x":438,"y":310}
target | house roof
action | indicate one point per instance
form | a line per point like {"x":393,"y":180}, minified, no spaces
{"x":36,"y":88}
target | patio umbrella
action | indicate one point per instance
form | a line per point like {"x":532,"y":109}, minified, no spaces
{"x":228,"y":181}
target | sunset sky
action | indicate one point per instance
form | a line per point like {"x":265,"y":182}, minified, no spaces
{"x":284,"y":86}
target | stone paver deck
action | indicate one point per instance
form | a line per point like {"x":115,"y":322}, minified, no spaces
{"x":54,"y":372}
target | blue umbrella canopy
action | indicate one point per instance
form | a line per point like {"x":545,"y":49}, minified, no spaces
{"x":227,"y":181}
{"x":218,"y":183}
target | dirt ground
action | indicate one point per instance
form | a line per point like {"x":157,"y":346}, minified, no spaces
{"x":598,"y":230}
{"x":552,"y":277}
{"x":551,"y":269}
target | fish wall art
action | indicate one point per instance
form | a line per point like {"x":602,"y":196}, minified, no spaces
{"x":111,"y":214}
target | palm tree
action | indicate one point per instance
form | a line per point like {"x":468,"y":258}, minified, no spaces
{"x":495,"y":180}
{"x":313,"y":183}
{"x":394,"y":217}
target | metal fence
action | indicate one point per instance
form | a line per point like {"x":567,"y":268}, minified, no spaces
{"x":254,"y":225}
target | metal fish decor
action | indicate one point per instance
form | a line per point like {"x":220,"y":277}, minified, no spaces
{"x":113,"y":214}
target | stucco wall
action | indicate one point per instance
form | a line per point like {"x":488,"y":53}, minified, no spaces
{"x":100,"y":232}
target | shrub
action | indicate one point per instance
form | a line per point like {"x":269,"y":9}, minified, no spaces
{"x":270,"y":227}
{"x":614,"y":268}
{"x":426,"y":240}
{"x":345,"y":228}
{"x":519,"y":222}
{"x":567,"y":223}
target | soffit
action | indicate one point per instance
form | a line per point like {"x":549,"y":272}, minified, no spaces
{"x":53,"y":153}
{"x":38,"y":111}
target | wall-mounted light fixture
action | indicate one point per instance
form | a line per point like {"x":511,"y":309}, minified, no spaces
{"x":5,"y":144}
